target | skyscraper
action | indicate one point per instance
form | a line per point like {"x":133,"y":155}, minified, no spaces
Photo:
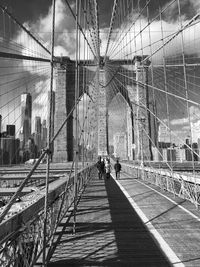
{"x":120,"y":145}
{"x":38,"y":132}
{"x":52,"y":98}
{"x":26,"y":111}
{"x":44,"y":134}
{"x":0,"y":123}
{"x":10,"y":129}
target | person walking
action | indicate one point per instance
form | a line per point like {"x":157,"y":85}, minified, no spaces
{"x":107,"y":168}
{"x":100,"y":167}
{"x":117,"y":168}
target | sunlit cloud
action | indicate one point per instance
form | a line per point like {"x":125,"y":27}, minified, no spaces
{"x":134,"y":38}
{"x":181,"y":121}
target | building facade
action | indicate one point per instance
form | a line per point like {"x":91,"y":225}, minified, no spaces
{"x":26,"y":116}
{"x":120,"y":145}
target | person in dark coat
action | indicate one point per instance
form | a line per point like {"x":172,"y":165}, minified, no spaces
{"x":100,"y":167}
{"x":117,"y":168}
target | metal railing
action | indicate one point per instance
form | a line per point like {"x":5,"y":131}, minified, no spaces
{"x":185,"y":186}
{"x":21,"y":231}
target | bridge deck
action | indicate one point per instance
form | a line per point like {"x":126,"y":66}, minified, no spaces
{"x":175,"y":220}
{"x":109,"y":232}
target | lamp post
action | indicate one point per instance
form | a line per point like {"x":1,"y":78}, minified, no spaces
{"x":142,"y":121}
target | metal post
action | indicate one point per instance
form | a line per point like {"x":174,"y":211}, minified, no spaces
{"x":107,"y":132}
{"x":148,"y":112}
{"x":137,"y":139}
{"x":142,"y":121}
{"x":49,"y":140}
{"x":76,"y":118}
{"x":142,"y":152}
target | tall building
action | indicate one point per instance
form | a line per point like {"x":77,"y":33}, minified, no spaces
{"x":38,"y":133}
{"x":187,"y":141}
{"x":26,"y":112}
{"x":198,"y":142}
{"x":0,"y":123}
{"x":44,"y":134}
{"x":195,"y":131}
{"x":52,"y":98}
{"x":154,"y":125}
{"x":9,"y":153}
{"x":180,"y":154}
{"x":130,"y":133}
{"x":157,"y":153}
{"x":120,"y":145}
{"x":10,"y":129}
{"x":53,"y":112}
{"x":163,"y":134}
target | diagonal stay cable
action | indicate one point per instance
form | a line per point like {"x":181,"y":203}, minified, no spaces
{"x":97,"y":27}
{"x":88,"y":24}
{"x":24,"y":28}
{"x":148,"y":24}
{"x":80,"y":28}
{"x":161,"y":90}
{"x":127,"y":31}
{"x":173,"y":36}
{"x":19,"y":190}
{"x":143,"y":106}
{"x":111,"y":26}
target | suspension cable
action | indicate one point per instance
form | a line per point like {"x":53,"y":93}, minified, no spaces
{"x":24,"y":28}
{"x":49,"y":139}
{"x":80,"y":28}
{"x":111,"y":26}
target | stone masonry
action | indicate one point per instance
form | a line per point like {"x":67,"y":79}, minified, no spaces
{"x":102,"y":113}
{"x":137,"y":95}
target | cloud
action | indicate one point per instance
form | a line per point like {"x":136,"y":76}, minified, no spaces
{"x":181,"y":127}
{"x":65,"y":42}
{"x":179,"y":136}
{"x":137,"y":40}
{"x":64,"y":31}
{"x":194,"y":113}
{"x":186,"y":128}
{"x":194,"y":117}
{"x":181,"y":121}
{"x":188,"y":9}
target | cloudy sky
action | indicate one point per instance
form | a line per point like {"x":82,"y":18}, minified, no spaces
{"x":36,"y":16}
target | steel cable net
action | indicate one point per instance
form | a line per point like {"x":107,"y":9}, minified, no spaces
{"x":172,"y":52}
{"x":150,"y":58}
{"x":32,"y":72}
{"x":25,"y":73}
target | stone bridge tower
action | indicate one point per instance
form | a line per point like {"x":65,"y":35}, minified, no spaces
{"x":64,"y":102}
{"x":139,"y":98}
{"x":65,"y":99}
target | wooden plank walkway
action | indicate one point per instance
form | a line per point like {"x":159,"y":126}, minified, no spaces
{"x":176,"y":220}
{"x":109,"y":233}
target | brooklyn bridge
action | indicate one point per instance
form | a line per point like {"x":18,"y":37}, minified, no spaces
{"x":86,"y":81}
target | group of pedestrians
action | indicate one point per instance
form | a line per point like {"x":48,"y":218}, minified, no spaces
{"x":104,"y":168}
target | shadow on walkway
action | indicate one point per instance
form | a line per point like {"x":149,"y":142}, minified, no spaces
{"x":108,"y":233}
{"x":135,"y":245}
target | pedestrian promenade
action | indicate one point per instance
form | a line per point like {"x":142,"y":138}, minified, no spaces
{"x":108,"y":232}
{"x":174,"y":222}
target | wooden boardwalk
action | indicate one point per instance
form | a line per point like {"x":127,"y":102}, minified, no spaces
{"x":108,"y":232}
{"x":176,"y":220}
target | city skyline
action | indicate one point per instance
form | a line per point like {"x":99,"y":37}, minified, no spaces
{"x":18,"y":149}
{"x":39,"y":22}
